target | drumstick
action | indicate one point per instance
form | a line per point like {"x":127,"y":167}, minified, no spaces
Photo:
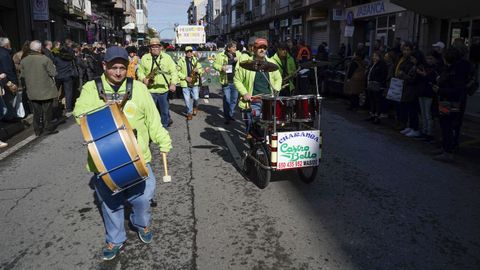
{"x":166,"y":177}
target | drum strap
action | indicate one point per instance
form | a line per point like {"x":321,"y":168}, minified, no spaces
{"x":126,"y":97}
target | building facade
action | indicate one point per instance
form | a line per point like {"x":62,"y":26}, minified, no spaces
{"x":79,"y":20}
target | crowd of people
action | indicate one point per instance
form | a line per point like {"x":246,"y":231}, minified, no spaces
{"x":434,"y":85}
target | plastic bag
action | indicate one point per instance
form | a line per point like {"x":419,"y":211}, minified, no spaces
{"x":18,"y":105}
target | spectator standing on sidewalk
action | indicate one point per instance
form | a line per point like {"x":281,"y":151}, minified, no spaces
{"x":38,"y":72}
{"x":65,"y":66}
{"x":426,"y":95}
{"x":355,"y":79}
{"x":409,"y":73}
{"x":47,"y":49}
{"x":10,"y":82}
{"x":376,"y":83}
{"x":451,"y":89}
{"x":3,"y":107}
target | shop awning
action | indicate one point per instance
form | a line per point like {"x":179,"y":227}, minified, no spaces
{"x":455,"y":9}
{"x":129,"y":26}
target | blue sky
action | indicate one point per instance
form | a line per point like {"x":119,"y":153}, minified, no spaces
{"x":164,"y":14}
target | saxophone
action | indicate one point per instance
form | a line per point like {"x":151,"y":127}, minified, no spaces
{"x":194,"y":76}
{"x":151,"y":76}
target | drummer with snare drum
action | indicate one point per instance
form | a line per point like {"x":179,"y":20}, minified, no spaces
{"x":142,"y":114}
{"x":254,"y":83}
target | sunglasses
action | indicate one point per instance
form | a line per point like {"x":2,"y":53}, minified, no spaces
{"x":263,"y":47}
{"x":189,"y":51}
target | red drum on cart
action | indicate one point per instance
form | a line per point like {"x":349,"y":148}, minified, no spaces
{"x":305,"y":108}
{"x":282,"y":109}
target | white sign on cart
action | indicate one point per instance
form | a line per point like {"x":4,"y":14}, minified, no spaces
{"x":298,"y":149}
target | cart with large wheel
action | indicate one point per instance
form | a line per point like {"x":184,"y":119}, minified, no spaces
{"x":286,"y":135}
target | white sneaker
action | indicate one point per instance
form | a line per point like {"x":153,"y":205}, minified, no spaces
{"x":68,"y":114}
{"x":413,"y":133}
{"x":3,"y":144}
{"x":405,"y":131}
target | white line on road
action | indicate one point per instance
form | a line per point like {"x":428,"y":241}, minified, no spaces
{"x":17,"y":146}
{"x":236,"y":156}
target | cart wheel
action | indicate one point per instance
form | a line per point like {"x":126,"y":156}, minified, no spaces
{"x":262,"y":179}
{"x":307,"y":174}
{"x":247,"y":163}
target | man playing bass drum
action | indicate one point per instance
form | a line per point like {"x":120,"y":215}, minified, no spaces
{"x":189,"y":72}
{"x":287,"y":67}
{"x":164,"y":77}
{"x":143,"y":117}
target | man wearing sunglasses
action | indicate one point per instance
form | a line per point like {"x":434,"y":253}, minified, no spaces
{"x":255,"y":83}
{"x":158,"y":71}
{"x":190,"y":73}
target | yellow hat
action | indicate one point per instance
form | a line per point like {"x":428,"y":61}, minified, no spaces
{"x":188,"y":48}
{"x":154,"y":41}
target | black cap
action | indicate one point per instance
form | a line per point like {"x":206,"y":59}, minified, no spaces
{"x":115,"y":52}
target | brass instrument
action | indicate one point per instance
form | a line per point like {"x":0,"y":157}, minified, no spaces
{"x":194,"y":76}
{"x":151,"y":76}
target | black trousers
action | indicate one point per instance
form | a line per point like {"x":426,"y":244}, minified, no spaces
{"x":450,"y":130}
{"x":375,"y":101}
{"x":42,"y":115}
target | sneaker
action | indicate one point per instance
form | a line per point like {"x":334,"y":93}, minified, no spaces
{"x":189,"y":117}
{"x":68,"y":114}
{"x":195,"y":111}
{"x":413,"y":134}
{"x":145,"y":235}
{"x":444,"y":157}
{"x":405,"y":131}
{"x":111,"y":251}
{"x":170,"y":122}
{"x":3,"y":144}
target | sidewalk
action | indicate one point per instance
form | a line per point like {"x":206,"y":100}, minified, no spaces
{"x":9,"y":129}
{"x":468,"y":153}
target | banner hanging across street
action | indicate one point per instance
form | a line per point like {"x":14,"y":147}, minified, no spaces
{"x":190,"y":34}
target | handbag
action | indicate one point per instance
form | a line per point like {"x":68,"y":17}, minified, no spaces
{"x":18,"y":105}
{"x":3,"y":106}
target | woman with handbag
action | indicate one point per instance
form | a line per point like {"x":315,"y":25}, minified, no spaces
{"x":376,"y":82}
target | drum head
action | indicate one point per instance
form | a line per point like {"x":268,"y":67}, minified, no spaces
{"x":304,"y":97}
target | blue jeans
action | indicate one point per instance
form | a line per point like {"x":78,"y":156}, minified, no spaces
{"x":161,"y":101}
{"x":250,"y":116}
{"x":426,"y":114}
{"x":113,"y":207}
{"x":230,"y":97}
{"x":188,"y":94}
{"x":67,"y":84}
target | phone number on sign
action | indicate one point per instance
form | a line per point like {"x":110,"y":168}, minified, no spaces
{"x":296,"y":164}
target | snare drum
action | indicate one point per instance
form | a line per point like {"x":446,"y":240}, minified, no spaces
{"x":113,"y":148}
{"x":305,"y":108}
{"x":282,"y":109}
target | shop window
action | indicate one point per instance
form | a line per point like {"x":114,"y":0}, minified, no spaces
{"x":382,"y":22}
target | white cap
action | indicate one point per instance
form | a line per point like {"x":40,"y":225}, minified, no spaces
{"x":439,"y":44}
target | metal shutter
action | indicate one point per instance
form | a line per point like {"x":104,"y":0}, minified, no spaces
{"x":318,"y":34}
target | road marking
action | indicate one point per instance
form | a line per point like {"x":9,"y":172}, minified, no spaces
{"x":17,"y":146}
{"x":233,"y":150}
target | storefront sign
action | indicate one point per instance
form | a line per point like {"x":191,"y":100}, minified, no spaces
{"x":190,"y":34}
{"x":374,"y":9}
{"x":349,"y":31}
{"x":338,"y":14}
{"x":297,"y":21}
{"x":40,"y":10}
{"x":298,"y":149}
